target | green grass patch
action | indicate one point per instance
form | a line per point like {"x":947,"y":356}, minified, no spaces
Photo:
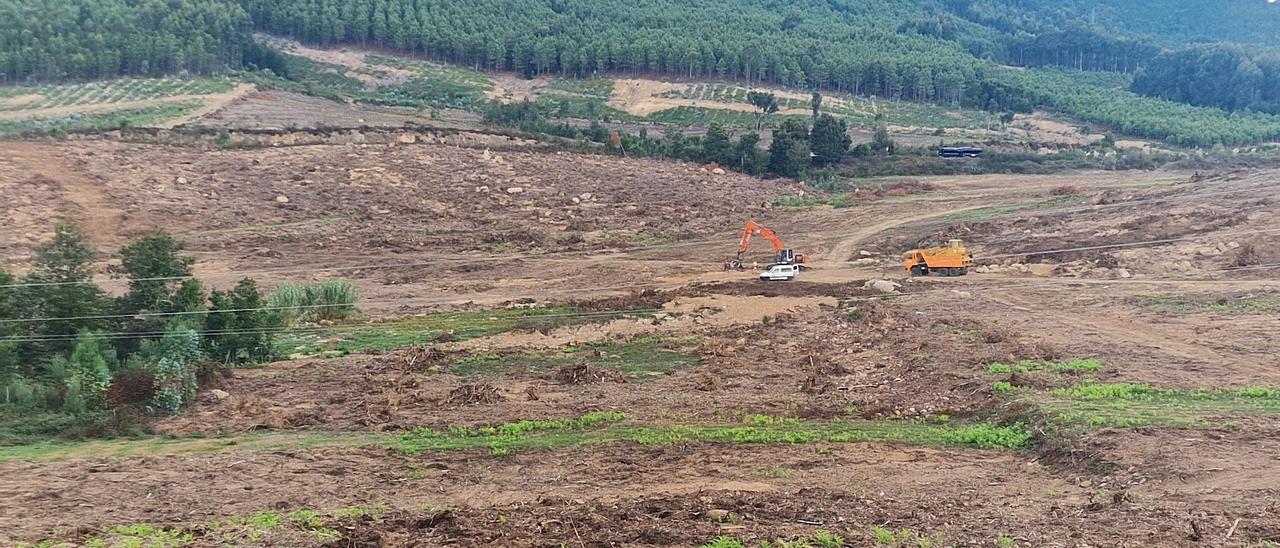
{"x":1032,"y":366}
{"x":386,"y":335}
{"x":1129,"y":405}
{"x":637,"y":358}
{"x":428,"y":85}
{"x":503,"y":439}
{"x":106,"y":92}
{"x":805,"y":202}
{"x":1201,"y":303}
{"x":100,"y":121}
{"x":1128,"y":391}
{"x":598,"y":87}
{"x":593,"y":428}
{"x":698,"y":116}
{"x":155,"y":445}
{"x":261,"y":529}
{"x":984,"y":213}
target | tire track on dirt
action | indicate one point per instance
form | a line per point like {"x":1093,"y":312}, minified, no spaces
{"x":92,"y":208}
{"x":1122,"y":330}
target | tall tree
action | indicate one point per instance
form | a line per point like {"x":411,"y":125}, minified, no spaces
{"x":829,"y":140}
{"x":716,"y":145}
{"x":765,"y":103}
{"x":60,"y":288}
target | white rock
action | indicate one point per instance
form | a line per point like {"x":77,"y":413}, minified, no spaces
{"x":1233,"y":245}
{"x":1042,"y":270}
{"x":865,"y":262}
{"x":1123,"y":273}
{"x":961,"y":294}
{"x":483,"y":189}
{"x":219,"y":394}
{"x":866,"y":253}
{"x":585,"y":196}
{"x":515,"y":190}
{"x":982,"y":269}
{"x":282,"y":199}
{"x":883,"y":286}
{"x":180,"y":180}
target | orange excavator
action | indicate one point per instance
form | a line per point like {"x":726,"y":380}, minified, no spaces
{"x":782,"y":254}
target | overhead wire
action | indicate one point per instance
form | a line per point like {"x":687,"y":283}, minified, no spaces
{"x":118,"y":335}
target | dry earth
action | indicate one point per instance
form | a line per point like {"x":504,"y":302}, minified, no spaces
{"x":314,"y":433}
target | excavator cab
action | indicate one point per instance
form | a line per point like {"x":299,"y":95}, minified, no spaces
{"x":782,"y":255}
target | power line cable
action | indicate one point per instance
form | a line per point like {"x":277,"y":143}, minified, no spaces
{"x":118,"y":335}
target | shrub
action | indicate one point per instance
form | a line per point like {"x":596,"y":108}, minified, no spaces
{"x":90,"y":376}
{"x":311,"y":302}
{"x":246,"y":331}
{"x":1246,"y":255}
{"x":1065,"y":190}
{"x":724,"y":542}
{"x":173,"y":362}
{"x":136,"y":386}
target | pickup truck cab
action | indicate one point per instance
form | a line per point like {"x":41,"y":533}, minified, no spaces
{"x":779,"y":272}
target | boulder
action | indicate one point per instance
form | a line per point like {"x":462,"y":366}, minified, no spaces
{"x":882,"y":286}
{"x":1042,"y":270}
{"x":1123,"y":273}
{"x":718,"y":171}
{"x":282,"y":199}
{"x":982,"y":269}
{"x":219,"y":394}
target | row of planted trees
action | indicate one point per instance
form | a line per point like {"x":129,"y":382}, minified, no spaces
{"x":797,"y":143}
{"x":74,"y":360}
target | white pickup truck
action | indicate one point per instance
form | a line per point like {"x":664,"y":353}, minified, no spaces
{"x":779,"y":273}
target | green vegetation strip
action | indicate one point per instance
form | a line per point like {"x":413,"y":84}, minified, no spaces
{"x":590,"y":429}
{"x":503,"y":439}
{"x":638,"y":359}
{"x":264,"y":528}
{"x":1191,"y":304}
{"x":1032,"y":366}
{"x":1125,"y":405}
{"x":358,"y":338}
{"x":984,"y":213}
{"x":108,"y":120}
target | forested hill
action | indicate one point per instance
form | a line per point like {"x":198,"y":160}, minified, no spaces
{"x":45,"y":40}
{"x":942,"y":51}
{"x":1166,"y":22}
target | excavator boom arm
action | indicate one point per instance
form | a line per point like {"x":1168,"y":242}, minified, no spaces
{"x":752,"y":229}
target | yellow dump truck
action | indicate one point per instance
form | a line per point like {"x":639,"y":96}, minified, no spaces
{"x":950,"y":260}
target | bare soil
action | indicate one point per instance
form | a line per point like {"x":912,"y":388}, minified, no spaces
{"x":820,"y":348}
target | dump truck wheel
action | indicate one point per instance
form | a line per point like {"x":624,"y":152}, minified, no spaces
{"x":919,"y":270}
